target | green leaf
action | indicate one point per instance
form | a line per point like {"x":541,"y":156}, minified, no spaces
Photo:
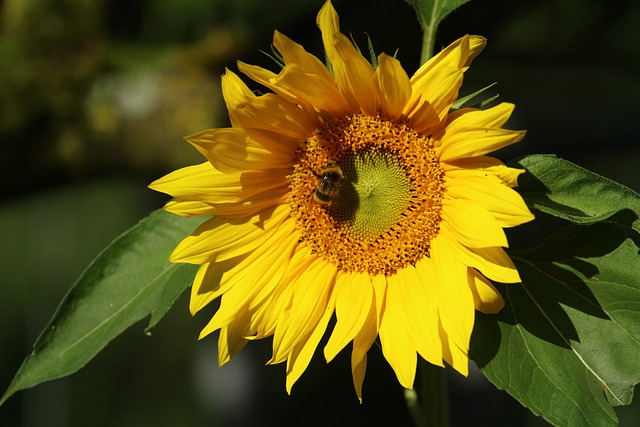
{"x":430,"y":13}
{"x":128,"y":281}
{"x":461,"y":102}
{"x":562,"y":189}
{"x":566,"y":344}
{"x":174,"y":286}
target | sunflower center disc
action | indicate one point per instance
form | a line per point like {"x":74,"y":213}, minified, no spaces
{"x":375,"y":192}
{"x":366,"y":194}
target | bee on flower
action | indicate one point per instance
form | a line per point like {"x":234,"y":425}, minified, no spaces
{"x":327,"y":189}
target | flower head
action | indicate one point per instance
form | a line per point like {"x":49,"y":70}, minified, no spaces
{"x":355,"y":191}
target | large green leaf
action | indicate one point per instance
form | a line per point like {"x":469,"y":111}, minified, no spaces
{"x":562,"y":189}
{"x":567,"y":343}
{"x":128,"y":281}
{"x":430,"y":13}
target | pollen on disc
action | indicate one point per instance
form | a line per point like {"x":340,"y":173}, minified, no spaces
{"x":387,"y":208}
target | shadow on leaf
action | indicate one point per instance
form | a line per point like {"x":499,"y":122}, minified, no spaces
{"x":557,"y":276}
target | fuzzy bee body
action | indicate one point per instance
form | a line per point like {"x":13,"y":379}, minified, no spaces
{"x":327,"y":189}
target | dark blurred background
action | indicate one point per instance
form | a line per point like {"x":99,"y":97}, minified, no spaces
{"x":95,"y":97}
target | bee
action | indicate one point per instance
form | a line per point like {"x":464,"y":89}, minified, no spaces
{"x":330,"y":178}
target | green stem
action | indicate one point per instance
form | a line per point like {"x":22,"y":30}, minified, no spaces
{"x":415,"y":410}
{"x":434,"y":394}
{"x":428,"y":42}
{"x":426,"y":12}
{"x":431,"y":408}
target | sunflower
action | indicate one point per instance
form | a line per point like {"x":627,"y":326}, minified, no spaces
{"x":351,"y":190}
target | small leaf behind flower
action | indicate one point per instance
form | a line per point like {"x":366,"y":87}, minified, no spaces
{"x":562,"y":189}
{"x":128,"y":281}
{"x":462,"y":102}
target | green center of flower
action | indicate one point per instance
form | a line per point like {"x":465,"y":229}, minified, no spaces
{"x":366,"y":194}
{"x":374,"y":194}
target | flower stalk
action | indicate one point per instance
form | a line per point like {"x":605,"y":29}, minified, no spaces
{"x":434,"y":401}
{"x":429,"y":406}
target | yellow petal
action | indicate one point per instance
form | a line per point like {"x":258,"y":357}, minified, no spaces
{"x":471,"y":224}
{"x":354,"y":295}
{"x":269,"y":112}
{"x":416,"y":291}
{"x":436,"y":83}
{"x":480,"y":164}
{"x":265,"y":316}
{"x":454,"y":355}
{"x":267,"y":79}
{"x":394,"y":86}
{"x":493,"y":261}
{"x":250,"y":282}
{"x":234,"y":91}
{"x":459,"y":54}
{"x":471,"y":142}
{"x":473,"y":132}
{"x":364,"y":339}
{"x":263,"y":320}
{"x":483,"y":166}
{"x":294,"y":53}
{"x":203,"y":182}
{"x":303,"y":352}
{"x":314,"y":90}
{"x":396,"y":344}
{"x":232,"y":150}
{"x":188,"y":208}
{"x":455,"y":297}
{"x":486,"y":297}
{"x":436,"y":94}
{"x":424,"y":116}
{"x":246,"y":208}
{"x":328,"y":22}
{"x":361,"y":344}
{"x":230,"y":341}
{"x":505,"y":204}
{"x":272,"y":310}
{"x":310,"y":299}
{"x":260,"y":326}
{"x":352,"y":72}
{"x":379,"y":282}
{"x":221,"y":238}
{"x":494,"y":117}
{"x":299,"y":86}
{"x":286,"y":240}
{"x":495,"y":264}
{"x":207,"y":282}
{"x":509,"y":176}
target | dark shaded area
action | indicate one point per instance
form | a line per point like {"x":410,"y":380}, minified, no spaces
{"x":94,"y":100}
{"x":550,"y":287}
{"x":556,"y":291}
